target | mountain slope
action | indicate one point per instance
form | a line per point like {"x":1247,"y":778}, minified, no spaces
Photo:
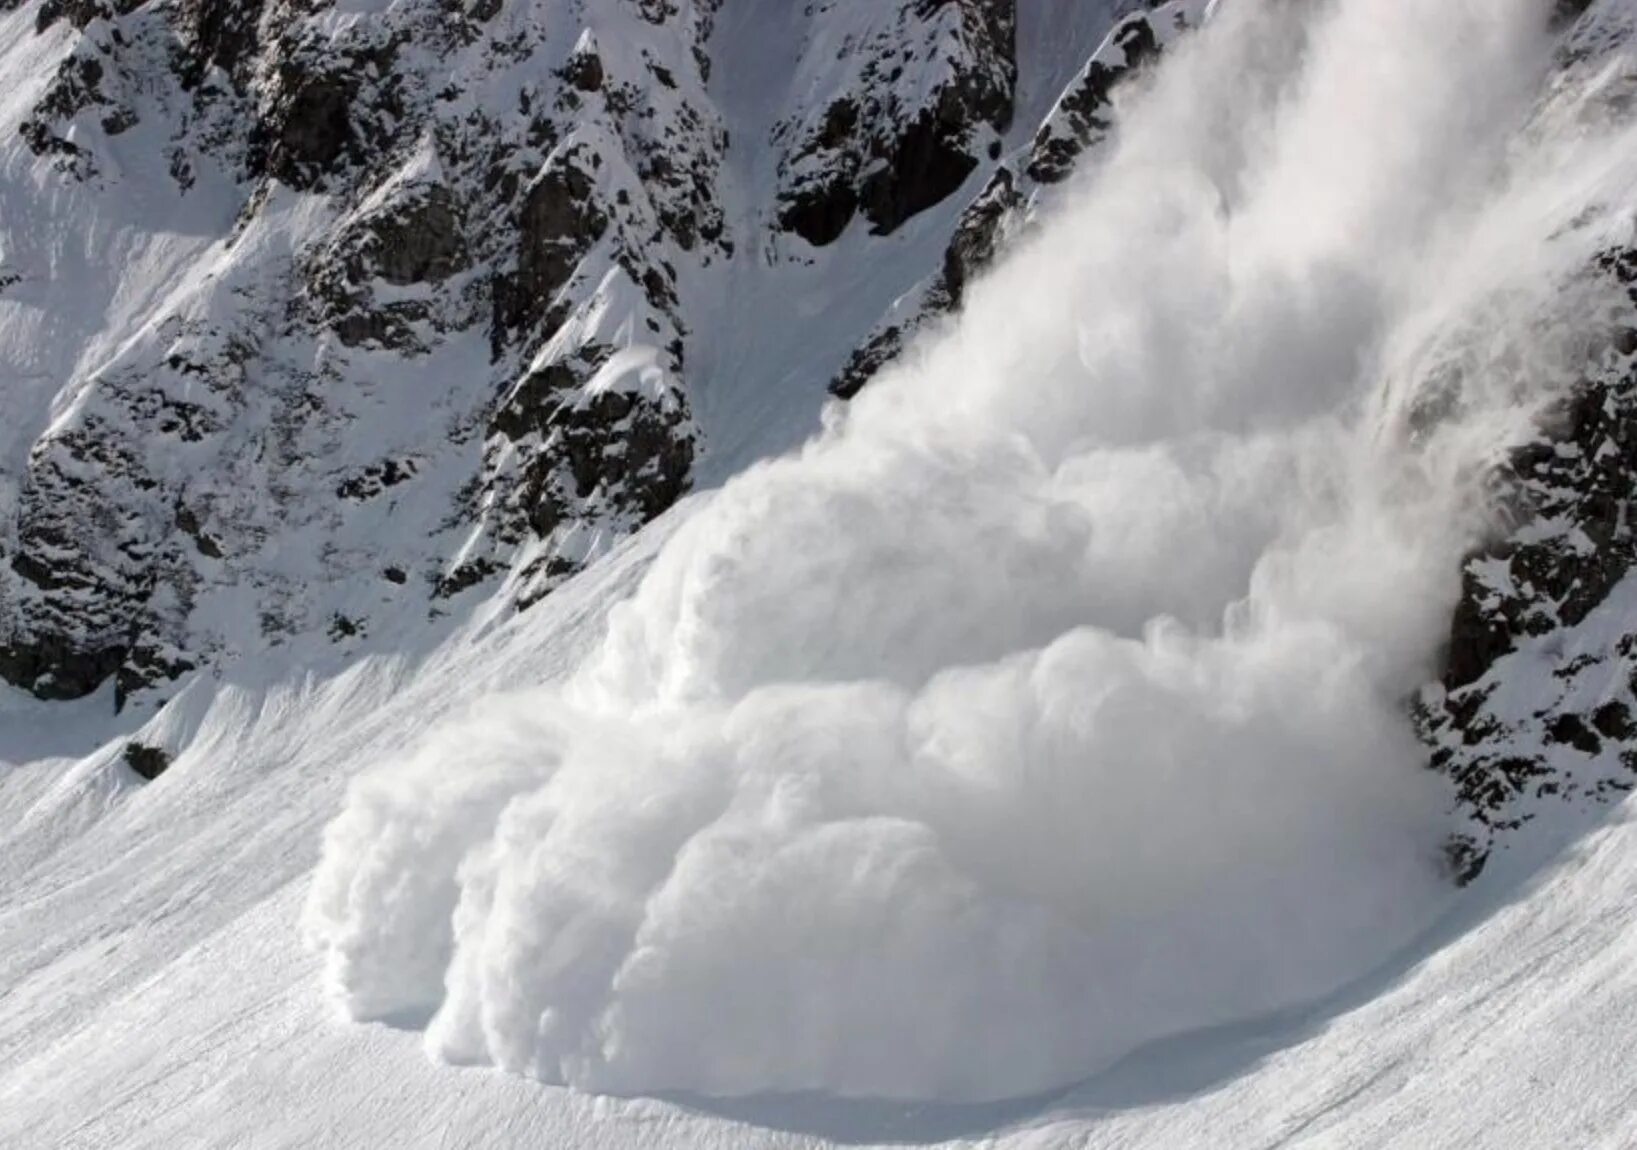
{"x":159,"y":992}
{"x":323,"y":317}
{"x":1029,"y":756}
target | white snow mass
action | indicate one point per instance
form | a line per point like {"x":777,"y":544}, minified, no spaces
{"x":1054,"y":699}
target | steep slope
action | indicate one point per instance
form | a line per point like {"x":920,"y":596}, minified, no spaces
{"x":386,"y":366}
{"x":1027,"y":759}
{"x":1081,"y":121}
{"x":1535,"y":705}
{"x":328,"y":321}
{"x":158,"y":991}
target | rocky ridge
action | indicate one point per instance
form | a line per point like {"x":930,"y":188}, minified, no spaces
{"x":438,"y":277}
{"x":1020,"y":184}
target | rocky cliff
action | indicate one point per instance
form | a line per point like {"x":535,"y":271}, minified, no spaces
{"x":325,"y":320}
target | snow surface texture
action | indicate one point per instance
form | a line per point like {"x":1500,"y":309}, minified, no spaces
{"x":1052,"y":700}
{"x":156,"y":996}
{"x":310,"y":312}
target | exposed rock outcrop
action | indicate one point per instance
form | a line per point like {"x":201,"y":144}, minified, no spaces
{"x":1078,"y":124}
{"x":440,"y":283}
{"x":925,"y":90}
{"x":978,"y":237}
{"x":1538,"y":689}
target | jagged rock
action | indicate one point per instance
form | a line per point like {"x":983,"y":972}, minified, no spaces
{"x":1080,"y":121}
{"x":919,"y":166}
{"x":423,"y":241}
{"x":376,"y":479}
{"x":307,"y":131}
{"x":1085,"y":112}
{"x":625,"y":448}
{"x":1572,"y":496}
{"x":1572,"y":730}
{"x":417,"y":240}
{"x":52,"y":667}
{"x":150,"y":663}
{"x":219,"y":34}
{"x":557,"y":225}
{"x":897,"y":141}
{"x":584,"y":69}
{"x":978,"y":235}
{"x":149,"y":762}
{"x":79,"y":12}
{"x":465,"y":576}
{"x":76,"y":87}
{"x":442,"y":337}
{"x":1613,"y":721}
{"x":977,"y":240}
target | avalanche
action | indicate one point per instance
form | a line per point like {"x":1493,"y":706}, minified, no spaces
{"x":1053,"y":700}
{"x":1025,"y":759}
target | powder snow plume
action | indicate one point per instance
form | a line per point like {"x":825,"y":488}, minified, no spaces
{"x":1053,"y":699}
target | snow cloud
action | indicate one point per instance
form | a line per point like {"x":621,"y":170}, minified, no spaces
{"x":1053,"y":700}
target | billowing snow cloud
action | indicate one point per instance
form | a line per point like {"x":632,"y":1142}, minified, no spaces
{"x":1053,"y":700}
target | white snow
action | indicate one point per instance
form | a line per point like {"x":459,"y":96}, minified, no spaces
{"x":1034,"y":733}
{"x":1066,"y":677}
{"x":157,"y":993}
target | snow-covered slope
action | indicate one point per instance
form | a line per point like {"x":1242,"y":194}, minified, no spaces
{"x":326,"y":321}
{"x":158,"y":993}
{"x":1036,"y":756}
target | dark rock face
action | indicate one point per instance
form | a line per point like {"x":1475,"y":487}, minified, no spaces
{"x":219,"y":34}
{"x":50,"y":667}
{"x":80,"y":12}
{"x":978,"y":235}
{"x":307,"y":131}
{"x":1525,"y":602}
{"x":584,"y":70}
{"x":977,"y":240}
{"x":920,"y":166}
{"x":558,"y":223}
{"x":149,"y":762}
{"x":415,"y":239}
{"x":608,"y":441}
{"x":84,"y":576}
{"x":626,"y":447}
{"x":1535,"y":587}
{"x":149,"y":662}
{"x":76,"y":88}
{"x":885,"y":344}
{"x":443,"y":337}
{"x":1081,"y":121}
{"x":376,"y":479}
{"x":820,"y":211}
{"x":1085,"y":114}
{"x":424,"y":241}
{"x":892,"y":149}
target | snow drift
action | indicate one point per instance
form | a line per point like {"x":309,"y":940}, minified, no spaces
{"x":1053,"y":699}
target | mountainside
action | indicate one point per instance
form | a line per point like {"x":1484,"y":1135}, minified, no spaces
{"x":323,"y":320}
{"x":654,"y":572}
